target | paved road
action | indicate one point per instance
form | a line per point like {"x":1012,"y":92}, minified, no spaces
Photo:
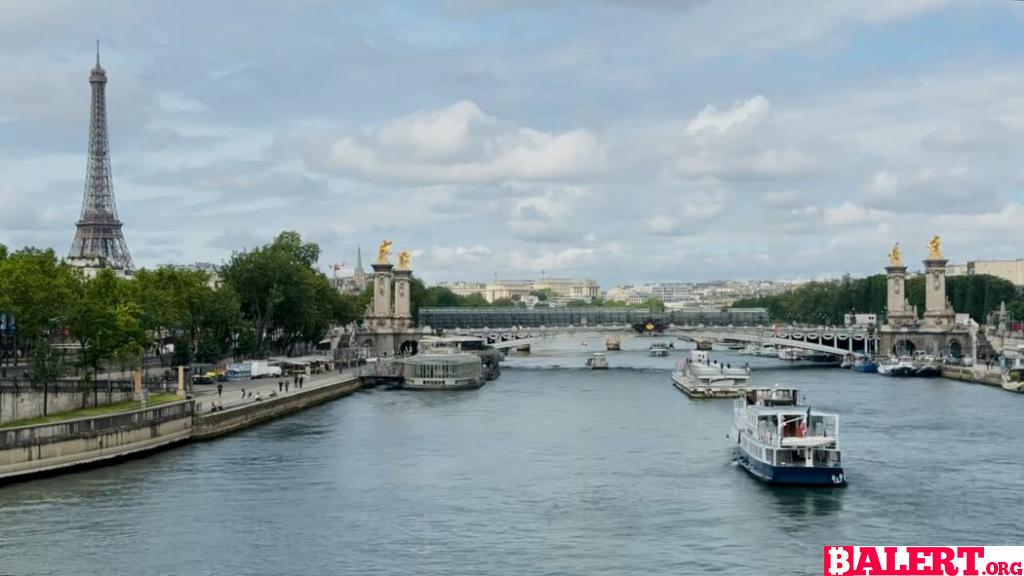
{"x":231,"y":395}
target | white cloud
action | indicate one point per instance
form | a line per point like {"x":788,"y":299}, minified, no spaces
{"x":447,"y":255}
{"x":458,"y":144}
{"x":714,"y":121}
{"x":849,"y":213}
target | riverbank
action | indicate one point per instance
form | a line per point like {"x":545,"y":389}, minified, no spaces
{"x":28,"y":451}
{"x":978,"y":375}
{"x":46,"y":448}
{"x":248,"y":412}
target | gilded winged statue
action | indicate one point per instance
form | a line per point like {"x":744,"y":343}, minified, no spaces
{"x":403,"y":260}
{"x":895,"y":256}
{"x":935,"y":249}
{"x":383,"y":252}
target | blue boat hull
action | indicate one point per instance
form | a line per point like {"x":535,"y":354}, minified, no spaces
{"x":869,"y":367}
{"x":790,"y":475}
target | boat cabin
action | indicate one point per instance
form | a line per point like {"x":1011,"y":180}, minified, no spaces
{"x":779,"y":431}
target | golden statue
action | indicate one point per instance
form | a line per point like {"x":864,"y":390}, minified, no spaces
{"x":895,"y":256}
{"x":383,"y":252}
{"x":935,"y":249}
{"x":403,"y":260}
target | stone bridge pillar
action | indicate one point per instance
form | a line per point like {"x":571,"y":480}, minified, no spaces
{"x":898,"y":310}
{"x":382,"y":309}
{"x":403,"y":306}
{"x":937,"y":312}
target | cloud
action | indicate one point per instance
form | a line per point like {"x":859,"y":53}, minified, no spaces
{"x":849,"y":213}
{"x":458,"y":144}
{"x":711,"y":120}
{"x":552,"y":261}
{"x":447,"y":255}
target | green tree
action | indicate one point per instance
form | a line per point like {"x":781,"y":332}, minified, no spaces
{"x":36,"y":289}
{"x":104,"y":318}
{"x":281,"y":293}
{"x":544,"y":294}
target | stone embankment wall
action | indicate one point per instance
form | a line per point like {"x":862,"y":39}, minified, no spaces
{"x":20,"y":401}
{"x":32,"y":450}
{"x":213,"y":424}
{"x":969,"y":374}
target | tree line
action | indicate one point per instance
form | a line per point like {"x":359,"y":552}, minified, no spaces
{"x":268,"y":300}
{"x":826,"y":302}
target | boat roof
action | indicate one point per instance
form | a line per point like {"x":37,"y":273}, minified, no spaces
{"x":791,"y":410}
{"x":452,"y":339}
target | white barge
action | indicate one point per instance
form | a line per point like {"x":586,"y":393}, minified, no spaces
{"x":700,"y":377}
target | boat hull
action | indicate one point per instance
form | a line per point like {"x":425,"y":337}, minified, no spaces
{"x":867,"y":368}
{"x":411,"y":385}
{"x":831,"y":476}
{"x":682,"y":383}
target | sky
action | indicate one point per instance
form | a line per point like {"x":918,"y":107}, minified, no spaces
{"x":620,"y":140}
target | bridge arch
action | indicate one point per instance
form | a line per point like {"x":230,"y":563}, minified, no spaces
{"x":904,"y":346}
{"x":409,"y":347}
{"x":956,"y":349}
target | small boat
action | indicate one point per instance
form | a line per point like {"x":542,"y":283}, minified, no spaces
{"x":704,"y":345}
{"x":749,"y":350}
{"x":597,"y":362}
{"x":847,"y":361}
{"x":896,"y":366}
{"x":612,"y":343}
{"x":927,"y":366}
{"x":1013,"y":373}
{"x":1013,"y":379}
{"x":767,"y":350}
{"x":699,"y":377}
{"x":863,"y":363}
{"x":658,"y":349}
{"x":780,"y":441}
{"x":790,"y":354}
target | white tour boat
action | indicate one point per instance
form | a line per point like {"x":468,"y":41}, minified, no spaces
{"x":443,"y":369}
{"x":658,"y":349}
{"x":780,"y":441}
{"x":700,"y":377}
{"x":597,"y":362}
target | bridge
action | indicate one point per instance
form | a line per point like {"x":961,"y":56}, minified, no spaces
{"x":637,"y":318}
{"x":824,"y":339}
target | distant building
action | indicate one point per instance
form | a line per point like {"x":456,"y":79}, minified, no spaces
{"x":564,"y":289}
{"x":356,"y":283}
{"x":1012,"y":270}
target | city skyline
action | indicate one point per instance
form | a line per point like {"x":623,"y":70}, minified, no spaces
{"x":607,"y":163}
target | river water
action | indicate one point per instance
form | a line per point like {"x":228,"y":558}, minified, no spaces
{"x":551,"y":469}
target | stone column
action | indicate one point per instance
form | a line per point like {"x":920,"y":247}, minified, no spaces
{"x":898,"y":312}
{"x":936,"y":312}
{"x":181,"y":381}
{"x":137,"y":385}
{"x":382,"y":304}
{"x":403,"y":306}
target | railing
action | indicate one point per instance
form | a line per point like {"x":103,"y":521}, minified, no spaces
{"x":25,"y":385}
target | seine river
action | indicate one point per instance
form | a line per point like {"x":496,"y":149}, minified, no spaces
{"x":551,"y":469}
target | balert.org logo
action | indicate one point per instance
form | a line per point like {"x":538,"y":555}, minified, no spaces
{"x":924,"y":560}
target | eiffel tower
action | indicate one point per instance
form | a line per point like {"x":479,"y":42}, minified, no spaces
{"x":98,"y":234}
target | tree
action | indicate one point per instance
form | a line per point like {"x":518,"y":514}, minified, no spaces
{"x":280,"y":291}
{"x":544,"y":294}
{"x":654,"y":305}
{"x":36,"y":289}
{"x":104,"y":317}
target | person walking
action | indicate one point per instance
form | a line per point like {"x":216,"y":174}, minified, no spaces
{"x":301,"y":381}
{"x":280,"y":386}
{"x":220,"y":390}
{"x":243,"y":392}
{"x":287,"y":384}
